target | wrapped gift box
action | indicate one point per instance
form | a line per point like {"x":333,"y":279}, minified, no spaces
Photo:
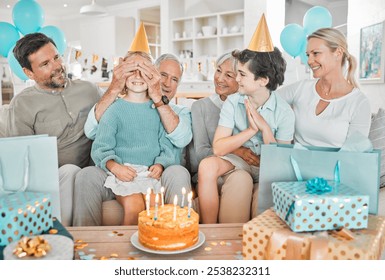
{"x":24,"y":214}
{"x":267,"y":237}
{"x":306,"y":211}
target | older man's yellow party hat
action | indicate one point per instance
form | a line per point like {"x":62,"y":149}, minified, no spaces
{"x":140,"y":42}
{"x":261,"y":40}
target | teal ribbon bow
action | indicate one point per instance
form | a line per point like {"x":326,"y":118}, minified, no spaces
{"x":317,"y":185}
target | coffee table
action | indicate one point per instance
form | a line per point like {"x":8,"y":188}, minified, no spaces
{"x":222,"y":242}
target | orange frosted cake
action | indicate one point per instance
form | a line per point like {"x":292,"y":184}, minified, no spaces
{"x":165,"y":233}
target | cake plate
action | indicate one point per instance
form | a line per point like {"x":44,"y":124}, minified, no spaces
{"x":135,"y":242}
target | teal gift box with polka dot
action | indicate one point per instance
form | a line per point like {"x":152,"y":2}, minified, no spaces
{"x":24,"y":214}
{"x":311,"y":210}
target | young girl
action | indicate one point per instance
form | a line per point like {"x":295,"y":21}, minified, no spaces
{"x":130,"y":138}
{"x":250,"y":118}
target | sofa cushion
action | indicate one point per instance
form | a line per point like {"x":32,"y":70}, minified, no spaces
{"x":381,"y":203}
{"x":377,"y":136}
{"x":3,"y":119}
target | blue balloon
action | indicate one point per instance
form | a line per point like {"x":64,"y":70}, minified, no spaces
{"x":302,"y":54}
{"x":57,"y":36}
{"x":28,"y":16}
{"x":8,"y":37}
{"x":316,"y":18}
{"x":15,"y":66}
{"x":292,"y":38}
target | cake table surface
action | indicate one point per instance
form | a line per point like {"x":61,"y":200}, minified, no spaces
{"x":223,"y":242}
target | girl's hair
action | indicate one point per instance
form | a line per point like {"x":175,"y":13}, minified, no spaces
{"x":224,"y":57}
{"x":264,"y":65}
{"x":335,"y":39}
{"x":142,"y":54}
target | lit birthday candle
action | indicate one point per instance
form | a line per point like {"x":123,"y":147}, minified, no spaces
{"x":189,"y":198}
{"x":175,"y":203}
{"x":148,"y":201}
{"x":156,"y":207}
{"x":148,"y":204}
{"x":183,"y":194}
{"x":162,"y":195}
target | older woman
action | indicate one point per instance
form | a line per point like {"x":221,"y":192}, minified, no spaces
{"x":205,"y":116}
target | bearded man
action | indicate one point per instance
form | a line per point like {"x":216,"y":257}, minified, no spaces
{"x":55,"y":106}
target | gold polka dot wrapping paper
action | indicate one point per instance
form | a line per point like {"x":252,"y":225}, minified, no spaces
{"x":306,"y":211}
{"x":24,"y":214}
{"x":267,"y":237}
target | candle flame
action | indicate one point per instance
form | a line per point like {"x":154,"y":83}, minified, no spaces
{"x":183,"y":190}
{"x":189,"y":197}
{"x":149,"y":191}
{"x":156,"y":198}
{"x":162,"y":189}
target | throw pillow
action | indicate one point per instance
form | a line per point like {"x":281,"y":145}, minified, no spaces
{"x":377,"y":136}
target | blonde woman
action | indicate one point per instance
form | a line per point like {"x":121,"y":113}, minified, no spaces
{"x":331,"y":107}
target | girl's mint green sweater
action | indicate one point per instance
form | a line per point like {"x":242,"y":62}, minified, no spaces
{"x":131,"y":133}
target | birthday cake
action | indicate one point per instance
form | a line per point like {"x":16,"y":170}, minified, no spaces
{"x":165,"y":232}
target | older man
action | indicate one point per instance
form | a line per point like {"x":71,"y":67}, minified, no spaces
{"x":163,"y":81}
{"x":55,"y":106}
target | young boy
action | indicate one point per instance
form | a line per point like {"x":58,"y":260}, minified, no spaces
{"x":252,"y":117}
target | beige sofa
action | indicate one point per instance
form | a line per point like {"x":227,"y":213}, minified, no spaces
{"x":3,"y":119}
{"x":112,"y":211}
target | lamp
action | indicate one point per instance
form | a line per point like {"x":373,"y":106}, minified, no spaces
{"x":93,"y":10}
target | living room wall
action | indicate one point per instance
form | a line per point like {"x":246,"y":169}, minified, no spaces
{"x":362,"y":14}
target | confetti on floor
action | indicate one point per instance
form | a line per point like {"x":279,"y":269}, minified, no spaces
{"x":133,"y":253}
{"x":87,"y":257}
